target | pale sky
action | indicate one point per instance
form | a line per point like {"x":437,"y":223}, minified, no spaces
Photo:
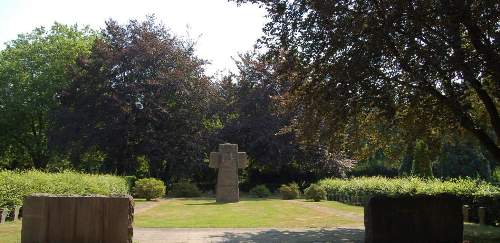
{"x":221,"y":28}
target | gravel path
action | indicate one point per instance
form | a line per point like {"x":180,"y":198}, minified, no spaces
{"x":143,"y":235}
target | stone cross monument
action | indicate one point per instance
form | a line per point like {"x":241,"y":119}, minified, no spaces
{"x":228,"y":160}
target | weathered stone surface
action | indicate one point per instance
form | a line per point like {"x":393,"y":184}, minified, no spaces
{"x":431,"y":219}
{"x":228,"y":160}
{"x":465,"y":213}
{"x":77,"y":219}
{"x":481,"y":212}
{"x":14,"y":213}
{"x":4,"y":212}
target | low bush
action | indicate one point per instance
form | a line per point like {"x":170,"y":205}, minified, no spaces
{"x":260,"y":191}
{"x":290,"y":191}
{"x":149,"y":188}
{"x":358,"y":190}
{"x":14,"y":185}
{"x":184,"y":189}
{"x":315,"y":192}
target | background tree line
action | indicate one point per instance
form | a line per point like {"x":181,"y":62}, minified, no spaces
{"x":342,"y":88}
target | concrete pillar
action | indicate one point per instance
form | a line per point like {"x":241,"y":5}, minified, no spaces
{"x":481,"y":212}
{"x":15,"y":212}
{"x":4,"y":212}
{"x":465,"y":212}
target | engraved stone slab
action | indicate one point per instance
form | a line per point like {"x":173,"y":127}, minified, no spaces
{"x":228,"y":160}
{"x":414,"y":219}
{"x":77,"y":219}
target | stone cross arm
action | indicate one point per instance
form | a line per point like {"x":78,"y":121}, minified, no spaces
{"x":228,"y":151}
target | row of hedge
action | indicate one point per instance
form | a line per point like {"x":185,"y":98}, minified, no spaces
{"x":358,"y":190}
{"x":371,"y":186}
{"x":14,"y":185}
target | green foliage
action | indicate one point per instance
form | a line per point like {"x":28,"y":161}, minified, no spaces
{"x":473,"y":192}
{"x":146,"y":89}
{"x":462,"y":159}
{"x":184,"y":189}
{"x":130,"y":182}
{"x":406,"y":164}
{"x":334,"y":56}
{"x":142,"y":169}
{"x":33,"y":69}
{"x":315,"y":192}
{"x":14,"y":186}
{"x":149,"y":188}
{"x":375,"y":165}
{"x":366,"y":187}
{"x":496,"y":175}
{"x":260,"y":191}
{"x":422,"y":165}
{"x":290,"y":191}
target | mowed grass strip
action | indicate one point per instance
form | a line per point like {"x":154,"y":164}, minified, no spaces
{"x":10,"y":232}
{"x":248,"y":213}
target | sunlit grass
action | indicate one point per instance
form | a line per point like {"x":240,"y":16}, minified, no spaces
{"x":10,"y":232}
{"x":248,"y":213}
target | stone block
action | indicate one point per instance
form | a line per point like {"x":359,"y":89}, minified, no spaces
{"x":16,"y":212}
{"x":481,"y":212}
{"x":466,"y":213}
{"x":78,"y":219}
{"x":414,"y":219}
{"x":227,"y":161}
{"x":4,"y":213}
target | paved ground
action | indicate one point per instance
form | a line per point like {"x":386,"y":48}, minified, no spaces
{"x":143,"y":235}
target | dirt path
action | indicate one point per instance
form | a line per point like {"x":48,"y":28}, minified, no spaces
{"x":330,"y":211}
{"x":143,"y":206}
{"x":265,"y":235}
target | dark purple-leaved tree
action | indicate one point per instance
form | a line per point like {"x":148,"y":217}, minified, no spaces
{"x":141,"y":93}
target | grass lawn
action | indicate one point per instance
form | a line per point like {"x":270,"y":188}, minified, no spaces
{"x":10,"y":232}
{"x":249,"y":213}
{"x":476,"y":233}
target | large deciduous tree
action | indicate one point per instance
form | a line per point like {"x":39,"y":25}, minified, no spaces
{"x":33,"y":69}
{"x":254,"y":118}
{"x":438,"y":60}
{"x":141,"y":93}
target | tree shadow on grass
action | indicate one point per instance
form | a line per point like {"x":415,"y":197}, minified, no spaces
{"x":219,"y":203}
{"x":320,"y":235}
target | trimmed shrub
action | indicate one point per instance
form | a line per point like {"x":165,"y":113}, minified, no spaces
{"x":184,"y":189}
{"x":149,"y":188}
{"x":290,"y":191}
{"x":260,"y":191}
{"x":472,"y":192}
{"x":15,"y":185}
{"x":315,"y":192}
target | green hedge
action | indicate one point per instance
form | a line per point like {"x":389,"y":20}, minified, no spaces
{"x":370,"y":186}
{"x":358,"y":190}
{"x":14,"y":186}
